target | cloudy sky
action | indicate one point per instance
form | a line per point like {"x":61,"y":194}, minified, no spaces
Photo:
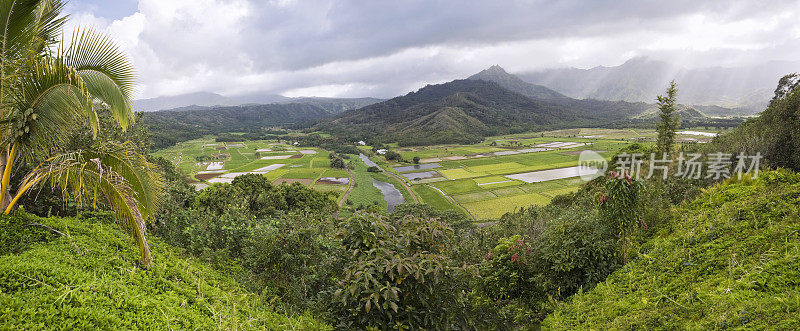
{"x":386,"y":48}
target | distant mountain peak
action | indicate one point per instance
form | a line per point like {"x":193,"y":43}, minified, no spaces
{"x":495,"y":70}
{"x":511,"y":82}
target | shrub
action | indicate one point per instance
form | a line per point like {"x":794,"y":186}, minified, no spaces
{"x":729,"y":260}
{"x":573,"y":252}
{"x":399,"y":276}
{"x":620,"y":204}
{"x":337,"y":162}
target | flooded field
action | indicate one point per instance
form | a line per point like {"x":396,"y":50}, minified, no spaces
{"x":390,"y":193}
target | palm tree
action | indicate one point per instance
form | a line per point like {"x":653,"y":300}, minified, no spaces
{"x":48,"y":88}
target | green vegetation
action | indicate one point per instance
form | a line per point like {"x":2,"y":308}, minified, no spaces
{"x":400,"y":277}
{"x":262,"y":242}
{"x":249,"y":122}
{"x":83,"y":278}
{"x":729,"y":259}
{"x":775,"y":133}
{"x":469,"y":109}
{"x":364,"y":194}
{"x":669,"y":120}
{"x":45,"y":94}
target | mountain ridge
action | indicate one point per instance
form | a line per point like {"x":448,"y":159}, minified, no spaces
{"x":511,"y":82}
{"x":205,"y":100}
{"x":640,"y":79}
{"x":460,"y":111}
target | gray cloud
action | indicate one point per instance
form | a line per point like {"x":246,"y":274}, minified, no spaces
{"x":385,"y":48}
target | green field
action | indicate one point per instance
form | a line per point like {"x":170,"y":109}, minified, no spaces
{"x":469,"y":184}
{"x":479,"y":185}
{"x":242,"y":157}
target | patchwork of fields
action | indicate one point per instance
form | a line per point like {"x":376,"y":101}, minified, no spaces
{"x":208,"y":162}
{"x":484,"y":181}
{"x":506,"y":173}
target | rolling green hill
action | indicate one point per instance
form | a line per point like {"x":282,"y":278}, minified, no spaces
{"x":88,"y":278}
{"x":685,"y":113}
{"x":730,"y":259}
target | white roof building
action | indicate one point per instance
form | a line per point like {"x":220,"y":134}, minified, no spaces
{"x":381,"y":151}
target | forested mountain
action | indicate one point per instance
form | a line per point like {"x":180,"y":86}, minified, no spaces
{"x":685,"y":113}
{"x":487,"y":103}
{"x":335,"y":105}
{"x":204,"y":100}
{"x":746,"y":89}
{"x":171,"y":126}
{"x":638,"y":110}
{"x":466,"y":111}
{"x":591,"y":108}
{"x":498,"y":75}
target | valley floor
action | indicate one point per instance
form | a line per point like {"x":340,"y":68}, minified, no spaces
{"x":484,"y":181}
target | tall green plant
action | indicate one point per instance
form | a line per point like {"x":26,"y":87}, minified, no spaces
{"x":48,"y":88}
{"x":669,"y":120}
{"x":620,"y":205}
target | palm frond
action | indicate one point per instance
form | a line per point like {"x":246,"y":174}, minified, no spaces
{"x":110,"y":175}
{"x":19,"y":24}
{"x":140,"y":175}
{"x":106,"y":71}
{"x":49,"y":98}
{"x":50,"y":21}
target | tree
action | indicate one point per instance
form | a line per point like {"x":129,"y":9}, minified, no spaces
{"x":416,"y":160}
{"x":47,"y":90}
{"x":392,"y":155}
{"x":399,"y":276}
{"x":337,"y":162}
{"x":669,"y":120}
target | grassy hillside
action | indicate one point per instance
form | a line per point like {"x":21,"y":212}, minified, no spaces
{"x":730,"y":259}
{"x":686,"y":113}
{"x":88,"y":278}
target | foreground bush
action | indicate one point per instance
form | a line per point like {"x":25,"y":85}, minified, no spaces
{"x":399,"y":276}
{"x":573,"y":252}
{"x":89,"y":278}
{"x":282,"y":236}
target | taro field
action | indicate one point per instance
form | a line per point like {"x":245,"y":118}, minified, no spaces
{"x":505,"y":173}
{"x":206,"y":162}
{"x":483,"y":181}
